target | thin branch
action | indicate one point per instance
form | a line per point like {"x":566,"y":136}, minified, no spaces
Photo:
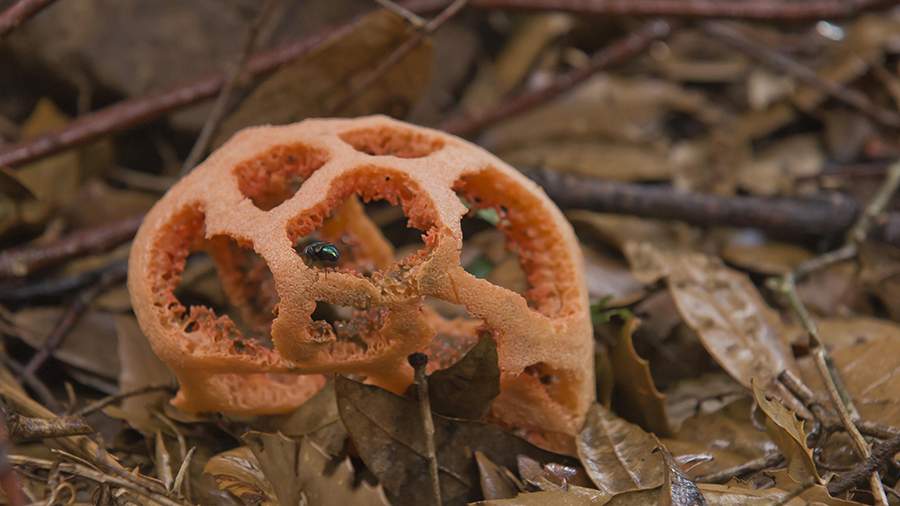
{"x":399,"y":53}
{"x":106,"y":401}
{"x":799,"y":218}
{"x":18,"y":13}
{"x":411,"y":17}
{"x":24,"y":260}
{"x":734,"y":38}
{"x":55,"y":287}
{"x":26,"y":428}
{"x":617,"y":52}
{"x":251,"y":43}
{"x":809,"y":10}
{"x":71,"y":316}
{"x":742,"y":470}
{"x":882,"y":453}
{"x":419,"y":361}
{"x":140,"y":110}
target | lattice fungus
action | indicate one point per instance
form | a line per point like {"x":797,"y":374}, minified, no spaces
{"x":268,"y":192}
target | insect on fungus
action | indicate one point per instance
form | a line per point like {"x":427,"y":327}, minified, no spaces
{"x":322,"y":252}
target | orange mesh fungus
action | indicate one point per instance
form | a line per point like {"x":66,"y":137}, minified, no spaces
{"x":254,"y":202}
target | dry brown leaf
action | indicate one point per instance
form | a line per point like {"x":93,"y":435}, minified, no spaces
{"x":618,"y":456}
{"x":678,"y":489}
{"x":318,"y":419}
{"x":771,"y":258}
{"x":301,"y":473}
{"x":605,"y":160}
{"x":775,"y":170}
{"x":839,"y":333}
{"x":730,"y":495}
{"x":574,"y":496}
{"x":318,"y":83}
{"x":787,"y":431}
{"x":466,"y":389}
{"x":609,"y":279}
{"x":635,"y":386}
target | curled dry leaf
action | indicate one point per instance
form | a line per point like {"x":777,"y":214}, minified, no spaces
{"x":786,"y":430}
{"x":635,"y":386}
{"x":497,"y":482}
{"x":237,"y":471}
{"x":618,"y":456}
{"x":466,"y":389}
{"x":314,"y":86}
{"x":387,"y":432}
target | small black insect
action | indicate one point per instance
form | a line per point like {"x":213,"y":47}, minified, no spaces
{"x":322,"y":252}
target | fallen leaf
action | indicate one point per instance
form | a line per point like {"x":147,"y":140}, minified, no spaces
{"x":574,"y":496}
{"x":496,"y":482}
{"x":301,"y":473}
{"x":635,"y":386}
{"x":678,"y":489}
{"x":775,"y":170}
{"x":466,"y":389}
{"x":604,"y":160}
{"x":786,"y":430}
{"x":769,"y":257}
{"x":839,"y":333}
{"x":89,"y":345}
{"x":387,"y":432}
{"x":617,"y":455}
{"x":318,"y":419}
{"x":609,"y":279}
{"x":238,"y":472}
{"x":316,"y":84}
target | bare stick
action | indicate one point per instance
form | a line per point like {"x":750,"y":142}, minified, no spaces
{"x":26,"y":428}
{"x":418,"y":361}
{"x":617,"y":52}
{"x":809,"y":10}
{"x":251,"y":42}
{"x":106,"y":401}
{"x":18,"y":12}
{"x":401,"y":51}
{"x":411,"y":17}
{"x":729,"y":35}
{"x":24,"y":260}
{"x":882,"y":453}
{"x":140,"y":110}
{"x":742,"y":470}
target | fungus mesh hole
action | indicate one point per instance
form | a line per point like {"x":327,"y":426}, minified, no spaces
{"x":531,"y":233}
{"x":343,"y":219}
{"x":350,"y":331}
{"x":215,"y":292}
{"x":275,"y":175}
{"x":393,"y":141}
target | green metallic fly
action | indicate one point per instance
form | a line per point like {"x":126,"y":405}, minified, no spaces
{"x":322,"y":252}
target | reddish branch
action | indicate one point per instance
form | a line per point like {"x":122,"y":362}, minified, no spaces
{"x":18,"y":12}
{"x":136,"y":111}
{"x":615,"y":53}
{"x":808,"y":10}
{"x":24,"y":260}
{"x":827,"y":216}
{"x":882,"y":454}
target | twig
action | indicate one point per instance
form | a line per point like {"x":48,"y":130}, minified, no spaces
{"x":71,"y":316}
{"x":26,"y":428}
{"x":55,"y":287}
{"x":741,"y":470}
{"x":24,"y":260}
{"x":251,"y":43}
{"x":136,"y":111}
{"x":418,"y":361}
{"x":729,"y":35}
{"x":106,"y":401}
{"x":18,"y":12}
{"x":397,"y":54}
{"x":617,"y":52}
{"x":40,"y":389}
{"x":411,"y":17}
{"x":799,"y":218}
{"x":834,"y":385}
{"x":881,"y":454}
{"x":96,"y":476}
{"x":809,"y":10}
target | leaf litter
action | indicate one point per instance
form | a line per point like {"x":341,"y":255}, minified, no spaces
{"x":711,"y":394}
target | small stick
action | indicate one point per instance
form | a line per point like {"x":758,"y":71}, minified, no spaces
{"x":25,"y":428}
{"x":617,"y":52}
{"x":24,"y":260}
{"x":418,"y":361}
{"x":55,"y":287}
{"x":881,"y":454}
{"x":251,"y":42}
{"x":809,"y":10}
{"x":18,"y":12}
{"x":411,"y":17}
{"x":397,"y":54}
{"x":106,"y":401}
{"x":741,"y":470}
{"x":71,"y":316}
{"x":732,"y":37}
